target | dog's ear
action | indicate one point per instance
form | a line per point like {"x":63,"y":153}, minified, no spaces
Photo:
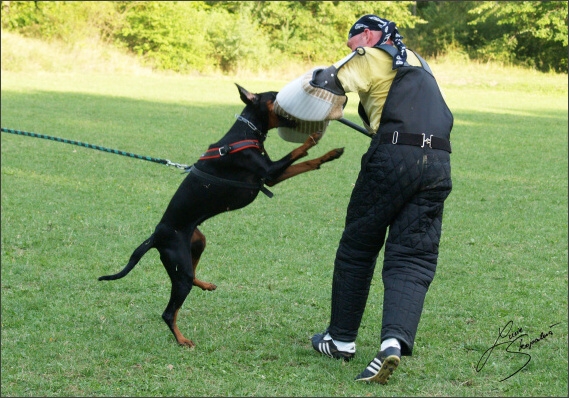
{"x":246,"y":96}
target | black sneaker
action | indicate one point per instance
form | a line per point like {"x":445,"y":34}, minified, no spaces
{"x":328,"y":348}
{"x":381,"y":367}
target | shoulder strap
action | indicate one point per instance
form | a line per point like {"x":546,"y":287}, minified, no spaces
{"x":391,"y":51}
{"x":423,"y":63}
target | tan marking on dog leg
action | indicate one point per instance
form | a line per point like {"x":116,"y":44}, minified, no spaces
{"x":179,"y":336}
{"x":196,"y":255}
{"x":308,"y":165}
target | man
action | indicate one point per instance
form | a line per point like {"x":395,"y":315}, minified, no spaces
{"x":402,"y":185}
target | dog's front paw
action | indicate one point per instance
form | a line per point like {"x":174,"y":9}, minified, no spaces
{"x":314,"y":138}
{"x":336,"y":153}
{"x":333,"y":155}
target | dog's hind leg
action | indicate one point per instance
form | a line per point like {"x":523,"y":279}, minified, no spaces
{"x":176,"y":257}
{"x":178,"y":295}
{"x":197,"y":246}
{"x":180,"y":291}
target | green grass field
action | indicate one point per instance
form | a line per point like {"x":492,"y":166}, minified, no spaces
{"x":71,"y":214}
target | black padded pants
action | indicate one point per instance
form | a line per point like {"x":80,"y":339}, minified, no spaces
{"x":402,"y":188}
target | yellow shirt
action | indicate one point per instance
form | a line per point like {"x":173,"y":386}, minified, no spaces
{"x":370,"y":75}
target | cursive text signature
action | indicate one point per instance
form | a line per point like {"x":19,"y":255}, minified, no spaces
{"x":515,"y":340}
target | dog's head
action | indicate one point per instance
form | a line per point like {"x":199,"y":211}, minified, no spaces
{"x":262,"y":106}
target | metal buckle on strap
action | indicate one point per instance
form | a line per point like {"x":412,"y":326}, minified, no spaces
{"x":395,"y":137}
{"x":426,"y":140}
{"x":224,"y":150}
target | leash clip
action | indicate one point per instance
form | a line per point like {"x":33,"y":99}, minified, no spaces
{"x":177,"y":165}
{"x":427,"y":140}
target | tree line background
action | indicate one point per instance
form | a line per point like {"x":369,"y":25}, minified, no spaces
{"x":210,"y":36}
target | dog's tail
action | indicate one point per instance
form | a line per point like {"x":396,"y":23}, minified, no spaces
{"x":134,"y":259}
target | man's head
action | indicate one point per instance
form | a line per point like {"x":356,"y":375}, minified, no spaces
{"x":367,"y":38}
{"x":370,"y":21}
{"x":366,"y":32}
{"x":371,"y":30}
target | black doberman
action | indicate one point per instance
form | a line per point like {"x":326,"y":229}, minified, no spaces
{"x":228,"y":176}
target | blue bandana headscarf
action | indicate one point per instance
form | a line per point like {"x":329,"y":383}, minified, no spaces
{"x":389,"y":31}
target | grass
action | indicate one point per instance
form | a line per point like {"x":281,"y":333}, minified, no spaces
{"x":71,"y":214}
